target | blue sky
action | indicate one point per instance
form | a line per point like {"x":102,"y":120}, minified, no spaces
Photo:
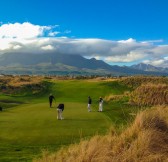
{"x":128,"y":31}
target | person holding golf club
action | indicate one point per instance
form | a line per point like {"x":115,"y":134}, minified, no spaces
{"x":51,"y":98}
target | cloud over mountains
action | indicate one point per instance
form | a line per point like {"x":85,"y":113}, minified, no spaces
{"x":30,"y":38}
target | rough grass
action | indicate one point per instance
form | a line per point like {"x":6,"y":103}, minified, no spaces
{"x":22,"y":85}
{"x":113,"y":97}
{"x":137,"y":81}
{"x":150,"y":94}
{"x":145,"y":140}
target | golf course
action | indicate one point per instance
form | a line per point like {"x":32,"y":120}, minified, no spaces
{"x":28,"y":125}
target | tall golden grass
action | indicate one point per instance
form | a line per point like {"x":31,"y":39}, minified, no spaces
{"x":112,"y":97}
{"x":17,"y":81}
{"x":13,"y":84}
{"x":150,"y":94}
{"x":145,"y":140}
{"x":136,"y":81}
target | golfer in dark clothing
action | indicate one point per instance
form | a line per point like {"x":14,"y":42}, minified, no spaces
{"x":60,"y":109}
{"x":51,"y":98}
{"x":89,"y":104}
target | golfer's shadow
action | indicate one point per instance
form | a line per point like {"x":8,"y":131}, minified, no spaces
{"x":74,"y":119}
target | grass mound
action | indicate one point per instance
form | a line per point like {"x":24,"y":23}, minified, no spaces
{"x":137,"y":81}
{"x":146,"y":140}
{"x":20,"y":84}
{"x":150,"y":94}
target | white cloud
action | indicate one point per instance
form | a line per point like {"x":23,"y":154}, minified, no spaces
{"x":17,"y":47}
{"x":154,"y":62}
{"x":52,"y":34}
{"x":30,"y":38}
{"x":24,"y":31}
{"x":4,"y":44}
{"x":158,"y":62}
{"x":48,"y":47}
{"x":160,"y":50}
{"x":130,"y":57}
{"x":166,"y":58}
{"x":130,"y":40}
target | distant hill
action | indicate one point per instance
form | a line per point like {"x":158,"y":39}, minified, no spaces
{"x":62,"y":64}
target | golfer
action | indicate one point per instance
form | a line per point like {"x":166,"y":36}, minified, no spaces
{"x":89,"y":104}
{"x":51,"y":98}
{"x":100,"y":104}
{"x":60,"y":109}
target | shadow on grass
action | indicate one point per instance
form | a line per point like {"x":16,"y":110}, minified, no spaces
{"x":72,"y":119}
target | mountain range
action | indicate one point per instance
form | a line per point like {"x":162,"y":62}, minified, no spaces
{"x":149,"y":68}
{"x":64,"y":64}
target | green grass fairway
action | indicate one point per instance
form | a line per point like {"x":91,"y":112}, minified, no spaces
{"x":28,"y":128}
